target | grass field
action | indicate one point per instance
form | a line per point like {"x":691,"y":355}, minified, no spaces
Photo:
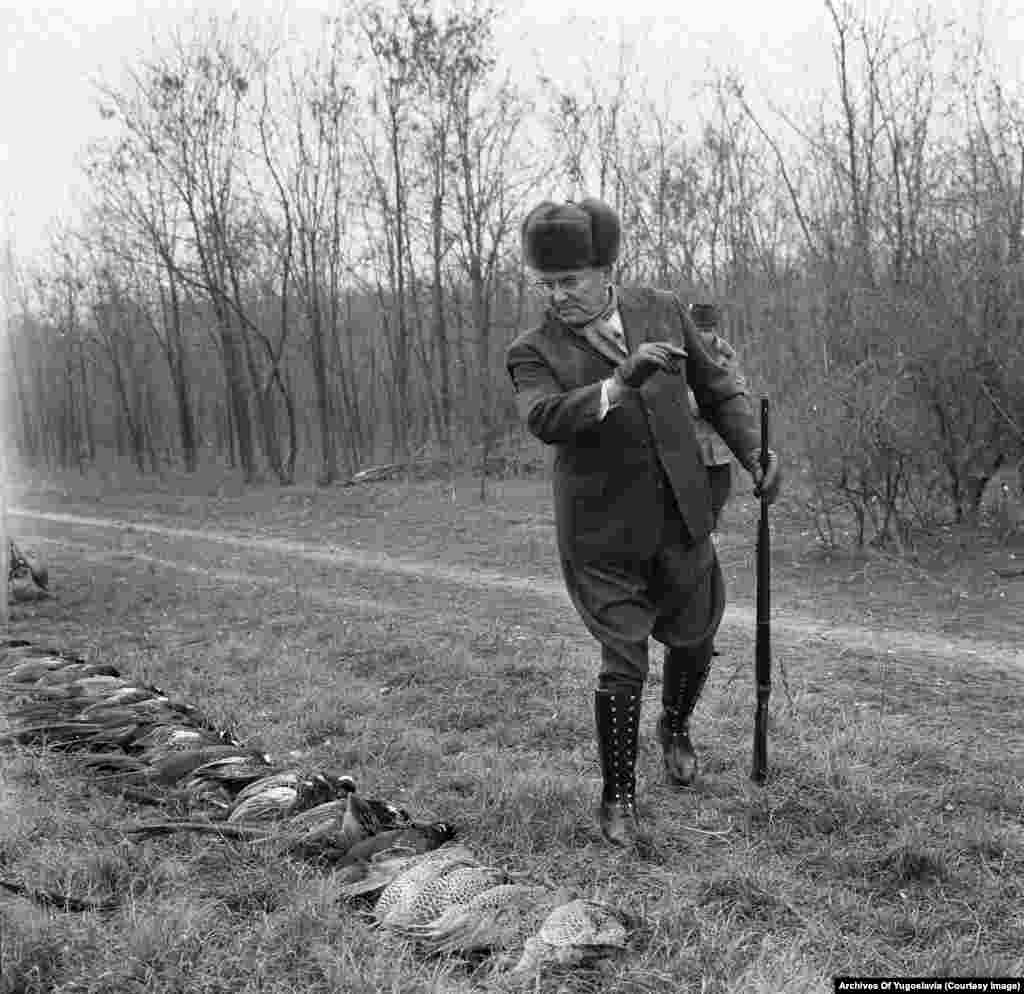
{"x":419,"y":640}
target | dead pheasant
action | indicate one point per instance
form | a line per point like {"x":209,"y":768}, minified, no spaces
{"x":68,"y":735}
{"x":400,"y":894}
{"x":415,"y":838}
{"x":289,"y":792}
{"x":232,"y":772}
{"x":329,"y":830}
{"x":455,"y":885}
{"x":78,"y":690}
{"x":331,"y":787}
{"x":176,"y":766}
{"x":35,"y":667}
{"x":572,"y":933}
{"x":366,"y":816}
{"x":370,"y":878}
{"x":163,"y":739}
{"x":274,"y":803}
{"x":499,"y":918}
{"x":320,"y":820}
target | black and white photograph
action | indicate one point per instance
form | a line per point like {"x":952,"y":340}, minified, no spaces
{"x":511,"y":496}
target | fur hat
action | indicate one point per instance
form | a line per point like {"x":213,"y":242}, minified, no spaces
{"x":571,"y":235}
{"x":704,"y":315}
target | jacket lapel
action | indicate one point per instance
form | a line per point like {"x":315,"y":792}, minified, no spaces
{"x":564,"y":337}
{"x":634,"y":319}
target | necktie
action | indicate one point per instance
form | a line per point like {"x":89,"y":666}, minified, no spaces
{"x":605,"y":336}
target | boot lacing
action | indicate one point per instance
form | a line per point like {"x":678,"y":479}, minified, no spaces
{"x":676,"y":721}
{"x":623,"y":779}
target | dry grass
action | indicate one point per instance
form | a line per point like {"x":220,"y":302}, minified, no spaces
{"x":887,"y":840}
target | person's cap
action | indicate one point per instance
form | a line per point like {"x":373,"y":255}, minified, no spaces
{"x":571,"y":235}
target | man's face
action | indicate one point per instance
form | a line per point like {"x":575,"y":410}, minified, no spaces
{"x":575,"y":295}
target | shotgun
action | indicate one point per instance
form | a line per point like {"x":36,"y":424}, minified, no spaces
{"x":763,"y":645}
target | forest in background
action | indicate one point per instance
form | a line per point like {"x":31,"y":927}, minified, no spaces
{"x":301,"y":262}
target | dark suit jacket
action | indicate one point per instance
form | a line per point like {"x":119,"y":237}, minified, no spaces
{"x":609,"y":474}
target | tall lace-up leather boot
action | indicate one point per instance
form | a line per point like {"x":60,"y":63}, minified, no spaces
{"x":686,"y":673}
{"x":617,"y":715}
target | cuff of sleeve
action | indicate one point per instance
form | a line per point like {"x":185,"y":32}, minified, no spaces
{"x":605,"y":405}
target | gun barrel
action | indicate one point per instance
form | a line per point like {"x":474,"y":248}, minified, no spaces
{"x":763,"y":650}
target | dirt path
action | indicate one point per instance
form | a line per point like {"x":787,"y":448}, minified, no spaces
{"x":794,"y":627}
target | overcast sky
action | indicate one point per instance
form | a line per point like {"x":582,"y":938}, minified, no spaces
{"x":52,"y":53}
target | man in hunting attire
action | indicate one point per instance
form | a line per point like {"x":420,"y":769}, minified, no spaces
{"x":603,"y":378}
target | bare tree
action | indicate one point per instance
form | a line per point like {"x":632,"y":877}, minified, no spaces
{"x":21,"y":407}
{"x":489,"y":195}
{"x":392,"y":42}
{"x":139,"y":221}
{"x":305,"y":150}
{"x":185,"y":113}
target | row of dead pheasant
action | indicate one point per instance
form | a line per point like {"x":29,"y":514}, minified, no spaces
{"x":161,"y":752}
{"x":425,"y":888}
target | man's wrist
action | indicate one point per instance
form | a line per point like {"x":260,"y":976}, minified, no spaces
{"x":752,"y":461}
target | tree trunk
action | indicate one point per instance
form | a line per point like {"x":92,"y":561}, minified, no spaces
{"x":179,"y":379}
{"x":441,"y":330}
{"x":71,"y":435}
{"x":29,"y":446}
{"x":129,"y":420}
{"x":481,"y":325}
{"x":89,"y":437}
{"x":264,"y":410}
{"x":400,"y":404}
{"x":328,"y":449}
{"x":238,"y":400}
{"x":346,"y":365}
